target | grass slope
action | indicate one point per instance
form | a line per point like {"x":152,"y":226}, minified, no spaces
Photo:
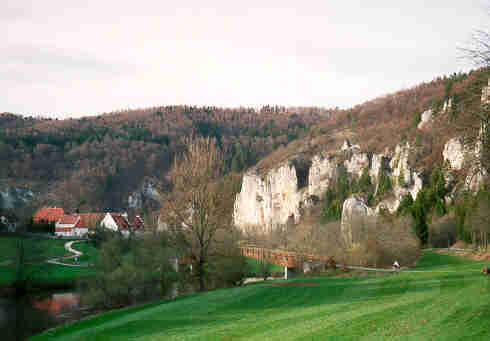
{"x":450,"y":302}
{"x":45,"y":248}
{"x":39,"y":272}
{"x":255,"y":267}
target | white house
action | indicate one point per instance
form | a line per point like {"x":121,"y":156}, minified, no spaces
{"x":76,"y":225}
{"x":121,"y":222}
{"x":65,"y":227}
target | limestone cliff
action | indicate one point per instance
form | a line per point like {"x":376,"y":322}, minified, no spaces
{"x":354,"y":209}
{"x":15,"y":197}
{"x":270,"y":200}
{"x":146,"y":191}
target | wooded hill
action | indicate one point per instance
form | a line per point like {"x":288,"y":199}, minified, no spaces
{"x":392,"y":119}
{"x":96,"y":162}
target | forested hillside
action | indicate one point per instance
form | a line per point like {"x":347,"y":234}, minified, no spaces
{"x":96,"y":162}
{"x":421,"y":152}
{"x":389,"y":120}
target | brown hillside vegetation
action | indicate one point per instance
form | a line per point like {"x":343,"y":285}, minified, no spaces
{"x":392,"y":119}
{"x":95,"y":162}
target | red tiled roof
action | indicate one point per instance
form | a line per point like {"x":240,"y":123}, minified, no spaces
{"x":48,"y":214}
{"x":89,"y":220}
{"x":136,"y":222}
{"x":60,"y":229}
{"x":122,"y":223}
{"x":68,"y":219}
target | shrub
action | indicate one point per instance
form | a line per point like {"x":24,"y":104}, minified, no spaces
{"x":384,"y":240}
{"x":384,"y":184}
{"x":416,"y":118}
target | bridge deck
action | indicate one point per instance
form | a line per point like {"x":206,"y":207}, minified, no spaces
{"x":284,"y":258}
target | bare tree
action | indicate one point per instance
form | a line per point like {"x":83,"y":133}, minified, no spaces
{"x":478,"y":53}
{"x":478,"y":222}
{"x":201,"y":203}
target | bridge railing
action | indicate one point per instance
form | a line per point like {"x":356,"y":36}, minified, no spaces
{"x":280,"y":257}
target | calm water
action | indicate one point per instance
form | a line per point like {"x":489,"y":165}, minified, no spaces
{"x":23,"y":317}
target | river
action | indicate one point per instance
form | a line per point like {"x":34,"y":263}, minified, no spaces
{"x":21,"y":318}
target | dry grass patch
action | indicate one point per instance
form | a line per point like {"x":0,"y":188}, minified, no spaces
{"x":294,"y":284}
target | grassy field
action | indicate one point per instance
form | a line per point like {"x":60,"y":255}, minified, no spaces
{"x":451,"y":302}
{"x":44,"y":248}
{"x":40,"y":272}
{"x":89,"y":254}
{"x":254,"y":267}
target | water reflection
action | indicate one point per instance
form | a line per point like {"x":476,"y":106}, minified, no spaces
{"x":23,"y":317}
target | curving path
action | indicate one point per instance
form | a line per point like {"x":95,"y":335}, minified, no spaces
{"x":289,"y":259}
{"x":68,"y":248}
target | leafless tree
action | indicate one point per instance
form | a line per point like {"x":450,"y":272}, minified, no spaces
{"x":200,"y":205}
{"x":478,"y":222}
{"x":478,"y":53}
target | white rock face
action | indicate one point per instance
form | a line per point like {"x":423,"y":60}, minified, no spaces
{"x":147,"y":191}
{"x":475,"y":178}
{"x":425,"y":119}
{"x":356,"y":163}
{"x":268,"y":202}
{"x":454,"y":153}
{"x":376,"y":164}
{"x":347,"y":146}
{"x":447,"y":105}
{"x":354,"y":208}
{"x":265,"y":203}
{"x":391,"y":205}
{"x":412,"y":181}
{"x":477,"y":172}
{"x":485,"y":94}
{"x":323,"y":170}
{"x":417,"y":185}
{"x":14,"y":197}
{"x":399,"y":164}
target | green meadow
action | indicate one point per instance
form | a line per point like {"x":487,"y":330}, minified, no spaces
{"x":254,"y":267}
{"x":37,"y":252}
{"x":447,"y":299}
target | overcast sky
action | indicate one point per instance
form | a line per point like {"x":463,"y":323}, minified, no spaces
{"x":72,"y":58}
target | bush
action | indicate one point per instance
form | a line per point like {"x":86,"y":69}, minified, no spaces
{"x":384,"y":184}
{"x":384,"y":240}
{"x":127,"y":275}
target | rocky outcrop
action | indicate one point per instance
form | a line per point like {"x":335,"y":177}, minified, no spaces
{"x":147,"y":191}
{"x":399,"y":164}
{"x":405,"y":180}
{"x":353,"y":210}
{"x":270,"y":201}
{"x":457,"y":156}
{"x":356,"y":164}
{"x":323,"y":170}
{"x":453,"y":153}
{"x":15,"y":197}
{"x":485,"y":94}
{"x":447,"y":105}
{"x":425,"y":119}
{"x":477,"y":172}
{"x":378,"y":162}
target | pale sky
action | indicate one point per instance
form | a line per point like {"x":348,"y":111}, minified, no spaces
{"x":83,"y":57}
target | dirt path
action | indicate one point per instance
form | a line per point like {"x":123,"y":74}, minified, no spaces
{"x":68,"y":247}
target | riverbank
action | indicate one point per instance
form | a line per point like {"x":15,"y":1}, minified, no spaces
{"x":49,"y":264}
{"x":443,"y":297}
